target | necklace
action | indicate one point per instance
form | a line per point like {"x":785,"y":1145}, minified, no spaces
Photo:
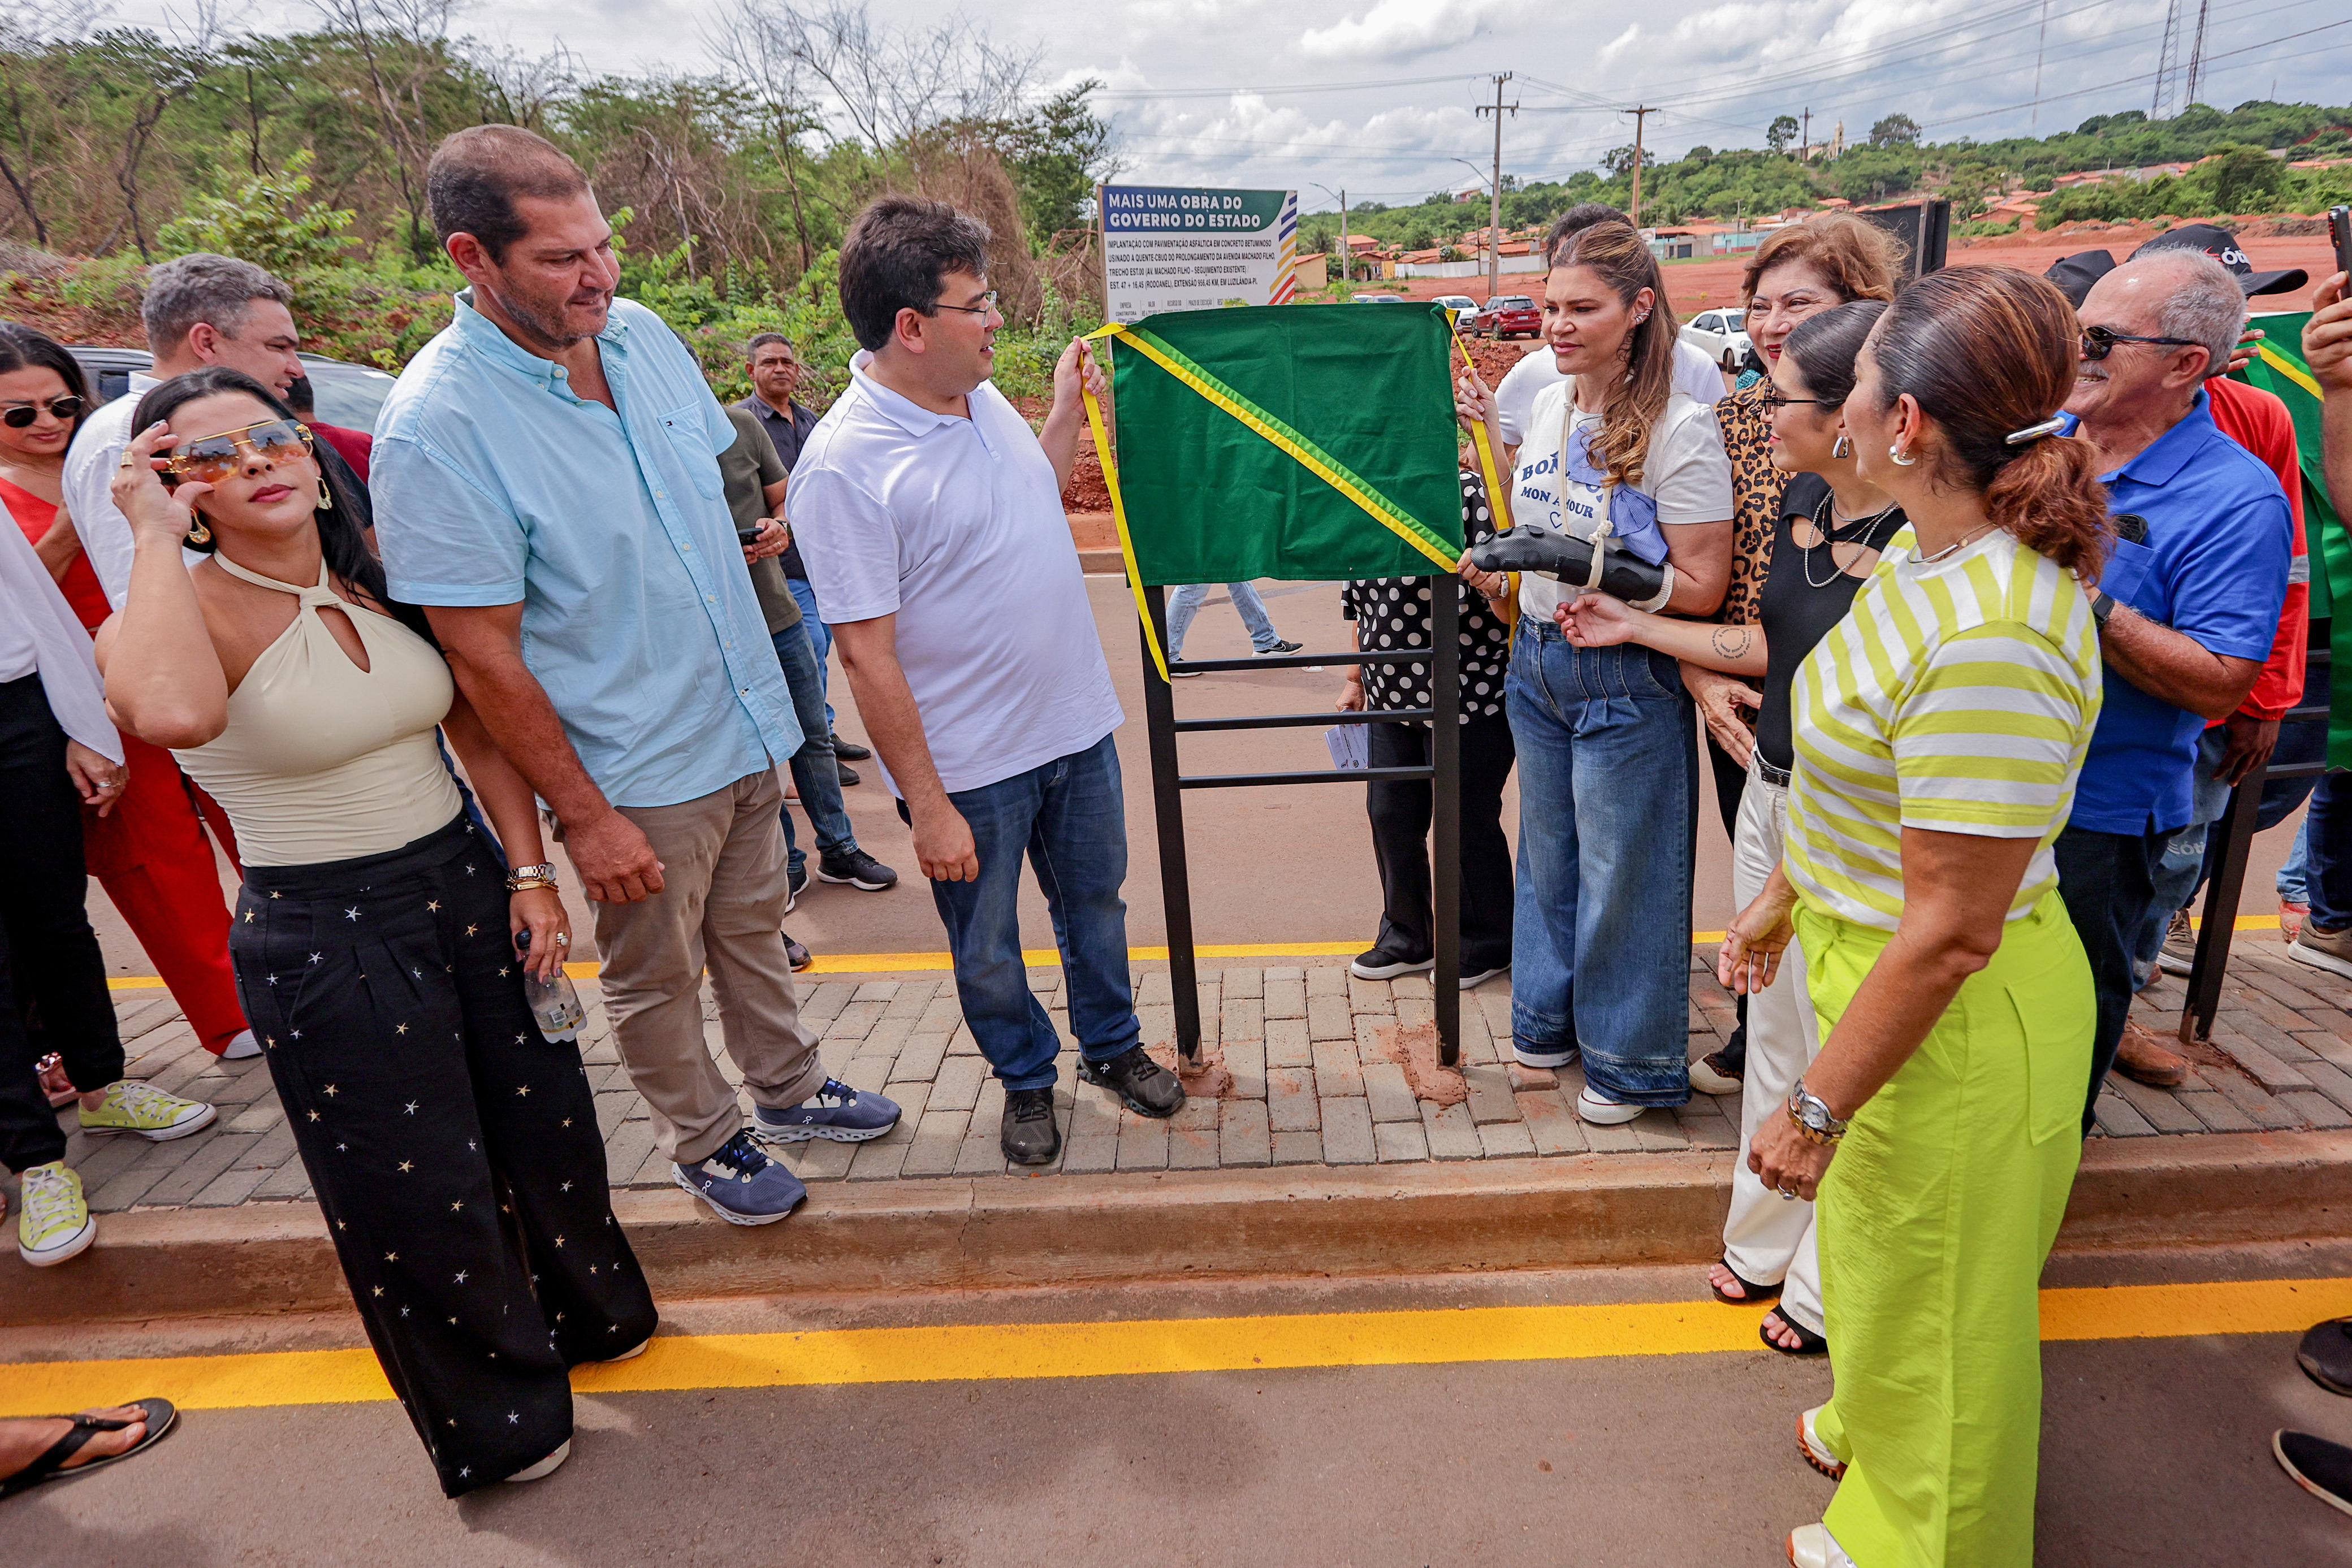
{"x":1957,"y":545}
{"x":1861,"y":532}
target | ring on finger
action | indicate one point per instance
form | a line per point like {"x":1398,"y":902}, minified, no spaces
{"x":562,"y":940}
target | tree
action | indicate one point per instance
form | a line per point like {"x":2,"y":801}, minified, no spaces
{"x":2244,"y":178}
{"x":268,"y":220}
{"x":1057,"y":152}
{"x":1618,"y":161}
{"x":1781,"y":132}
{"x":1896,"y":130}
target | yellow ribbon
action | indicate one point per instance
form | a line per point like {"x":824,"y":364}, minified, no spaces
{"x":1495,"y":499}
{"x":1118,"y":519}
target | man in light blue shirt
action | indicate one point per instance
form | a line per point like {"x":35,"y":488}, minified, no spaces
{"x":546,"y":483}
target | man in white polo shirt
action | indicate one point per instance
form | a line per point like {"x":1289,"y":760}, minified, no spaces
{"x":929,"y":518}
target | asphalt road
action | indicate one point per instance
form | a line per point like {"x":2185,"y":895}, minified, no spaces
{"x":2154,"y":1451}
{"x":1278,"y":865}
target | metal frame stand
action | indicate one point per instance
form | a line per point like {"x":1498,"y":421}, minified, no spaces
{"x":2211,"y":965}
{"x":1168,"y":783}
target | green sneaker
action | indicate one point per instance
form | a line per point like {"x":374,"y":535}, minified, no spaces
{"x":131,"y":1107}
{"x":54,"y":1224}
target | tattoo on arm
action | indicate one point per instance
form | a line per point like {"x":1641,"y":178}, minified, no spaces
{"x":1730,"y":641}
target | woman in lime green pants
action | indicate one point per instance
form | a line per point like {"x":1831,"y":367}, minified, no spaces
{"x":1939,"y":730}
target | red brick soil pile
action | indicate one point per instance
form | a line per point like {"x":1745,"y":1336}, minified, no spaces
{"x":1414,"y":1049}
{"x":1207,"y":1080}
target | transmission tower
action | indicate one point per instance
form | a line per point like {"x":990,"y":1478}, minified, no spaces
{"x":2167,"y":58}
{"x":2196,"y":56}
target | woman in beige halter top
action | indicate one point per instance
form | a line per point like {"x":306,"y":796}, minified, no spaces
{"x":373,"y":942}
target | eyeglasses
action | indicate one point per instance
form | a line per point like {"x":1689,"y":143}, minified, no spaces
{"x":1772,"y":402}
{"x":987,"y":303}
{"x":215,"y":457}
{"x":22,"y":415}
{"x":2098,"y":342}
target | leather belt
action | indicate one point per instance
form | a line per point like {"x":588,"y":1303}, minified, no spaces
{"x":1777,"y":777}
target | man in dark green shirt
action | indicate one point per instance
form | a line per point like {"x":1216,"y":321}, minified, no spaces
{"x":754,"y":477}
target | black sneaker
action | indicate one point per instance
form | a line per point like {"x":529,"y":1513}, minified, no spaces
{"x":796,"y":880}
{"x":858,"y":868}
{"x":1386,"y":964}
{"x":1028,"y":1134}
{"x":1147,"y":1088}
{"x":1285,"y":646}
{"x":2326,"y":1356}
{"x":2319,"y":1467}
{"x":846,"y":774}
{"x":849,"y":750}
{"x":795,"y":955}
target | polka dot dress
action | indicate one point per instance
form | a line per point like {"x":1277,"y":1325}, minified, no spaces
{"x":1393,"y":613}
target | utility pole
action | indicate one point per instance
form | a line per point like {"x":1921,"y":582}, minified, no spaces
{"x":1494,"y":189}
{"x":1805,"y":140}
{"x":1641,"y":118}
{"x":1346,"y":257}
{"x":2039,"y":39}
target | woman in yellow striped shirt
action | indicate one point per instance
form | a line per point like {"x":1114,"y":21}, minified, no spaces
{"x":1939,"y":730}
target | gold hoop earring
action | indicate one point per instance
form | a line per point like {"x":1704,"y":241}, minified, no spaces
{"x":1845,"y":448}
{"x":198,"y":532}
{"x":326,"y":497}
{"x":1899,"y":457}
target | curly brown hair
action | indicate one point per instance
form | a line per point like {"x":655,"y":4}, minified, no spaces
{"x":1987,"y":352}
{"x":1632,"y":405}
{"x":1861,"y":260}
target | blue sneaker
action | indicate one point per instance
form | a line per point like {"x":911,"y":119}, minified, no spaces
{"x":836,"y":1111}
{"x":740,"y":1184}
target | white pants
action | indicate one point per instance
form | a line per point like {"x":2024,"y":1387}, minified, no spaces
{"x":1769,"y":1239}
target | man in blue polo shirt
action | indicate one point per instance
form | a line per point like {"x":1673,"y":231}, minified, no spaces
{"x":547,"y":485}
{"x":2189,"y":604}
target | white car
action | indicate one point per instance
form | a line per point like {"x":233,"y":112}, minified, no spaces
{"x":1721,"y":335}
{"x":1456,"y":305}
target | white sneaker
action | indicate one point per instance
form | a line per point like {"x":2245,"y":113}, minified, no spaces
{"x":1604,"y":1112}
{"x":1708,"y":1081}
{"x":243,"y":1048}
{"x":545,"y":1467}
{"x":1812,"y":1546}
{"x":1473,"y":980}
{"x":55,"y":1223}
{"x":1815,"y":1452}
{"x":644,"y":1345}
{"x":1555,"y":1060}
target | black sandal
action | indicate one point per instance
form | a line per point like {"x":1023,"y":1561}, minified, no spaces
{"x":1808,"y":1342}
{"x":1755,"y":1292}
{"x":161,"y":1416}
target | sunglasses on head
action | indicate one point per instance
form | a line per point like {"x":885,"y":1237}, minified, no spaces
{"x":21,"y":415}
{"x":2098,"y":342}
{"x":215,"y":457}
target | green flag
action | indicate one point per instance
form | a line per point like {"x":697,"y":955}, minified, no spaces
{"x":1302,"y":442}
{"x":2279,"y":368}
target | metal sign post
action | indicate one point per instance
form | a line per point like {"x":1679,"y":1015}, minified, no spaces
{"x":1168,"y":783}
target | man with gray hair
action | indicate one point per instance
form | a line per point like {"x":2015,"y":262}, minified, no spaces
{"x":201,"y":310}
{"x":2188,"y":603}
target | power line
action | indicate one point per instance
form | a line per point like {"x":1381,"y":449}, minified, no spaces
{"x":2145,"y":76}
{"x":1145,"y":92}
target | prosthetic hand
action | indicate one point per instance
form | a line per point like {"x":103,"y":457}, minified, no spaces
{"x":1572,"y":561}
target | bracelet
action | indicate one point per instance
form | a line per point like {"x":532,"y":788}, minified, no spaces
{"x":1812,"y":1116}
{"x":522,"y":878}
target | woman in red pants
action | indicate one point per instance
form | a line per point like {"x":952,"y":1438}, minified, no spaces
{"x":150,"y":854}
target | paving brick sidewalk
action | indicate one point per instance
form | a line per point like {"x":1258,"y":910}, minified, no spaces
{"x":1312,"y":1084}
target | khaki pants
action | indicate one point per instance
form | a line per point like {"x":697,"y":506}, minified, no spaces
{"x":721,"y":906}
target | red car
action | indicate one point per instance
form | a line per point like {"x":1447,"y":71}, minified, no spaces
{"x":1506,"y":316}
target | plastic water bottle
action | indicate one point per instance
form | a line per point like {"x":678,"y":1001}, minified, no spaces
{"x":555,"y":1004}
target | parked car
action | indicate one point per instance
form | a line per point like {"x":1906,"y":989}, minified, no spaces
{"x":347,"y":394}
{"x":1506,"y":316}
{"x":1721,"y":335}
{"x":1460,"y":306}
{"x":1380,"y":300}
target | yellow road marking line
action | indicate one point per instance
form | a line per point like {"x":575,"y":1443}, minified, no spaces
{"x":978,"y":1352}
{"x":1048,"y":958}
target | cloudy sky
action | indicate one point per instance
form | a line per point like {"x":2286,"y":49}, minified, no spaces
{"x":1379,"y":96}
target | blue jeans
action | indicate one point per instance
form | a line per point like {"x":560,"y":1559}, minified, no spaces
{"x":2294,"y":876}
{"x":1070,"y":817}
{"x":2328,"y":875}
{"x":2182,"y":869}
{"x":1600,"y":953}
{"x":814,"y":773}
{"x":819,"y":636}
{"x":1247,"y":603}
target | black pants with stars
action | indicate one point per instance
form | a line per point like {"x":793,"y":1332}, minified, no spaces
{"x":453,"y":1150}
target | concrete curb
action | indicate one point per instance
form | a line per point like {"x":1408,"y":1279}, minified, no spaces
{"x":994,"y":1231}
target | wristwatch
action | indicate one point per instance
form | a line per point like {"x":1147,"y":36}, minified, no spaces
{"x":2103,"y":604}
{"x":1812,"y":1116}
{"x":523,"y":877}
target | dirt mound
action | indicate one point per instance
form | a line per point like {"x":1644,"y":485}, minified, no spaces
{"x":1413,"y":1047}
{"x":1206,"y":1080}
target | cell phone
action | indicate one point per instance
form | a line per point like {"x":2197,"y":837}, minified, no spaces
{"x":2339,"y":230}
{"x":750,"y":535}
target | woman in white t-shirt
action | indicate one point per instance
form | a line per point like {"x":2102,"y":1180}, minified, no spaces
{"x":1607,"y":762}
